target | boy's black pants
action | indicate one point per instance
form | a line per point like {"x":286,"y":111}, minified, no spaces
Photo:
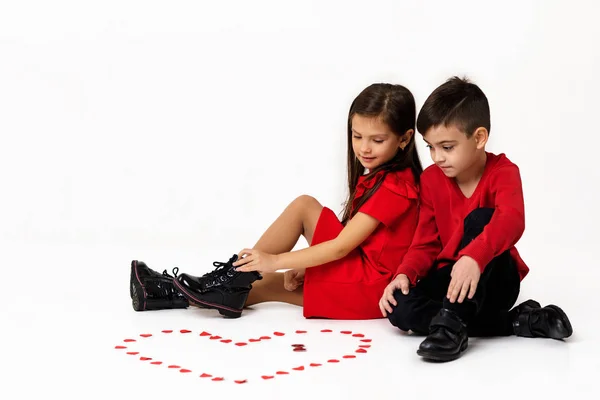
{"x":486,"y":314}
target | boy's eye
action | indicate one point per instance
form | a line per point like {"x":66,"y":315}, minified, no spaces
{"x":448,"y":148}
{"x":356,"y":137}
{"x":429,"y":146}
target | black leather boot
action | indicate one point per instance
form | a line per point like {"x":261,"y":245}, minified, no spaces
{"x":447,"y":338}
{"x":151,"y":290}
{"x":525,"y":306}
{"x":223,"y":289}
{"x":548,"y":322}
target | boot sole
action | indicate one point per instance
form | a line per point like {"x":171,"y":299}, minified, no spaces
{"x":136,"y":289}
{"x":565,"y":319}
{"x":443,"y":357}
{"x":223,"y":310}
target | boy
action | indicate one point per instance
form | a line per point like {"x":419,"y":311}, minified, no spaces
{"x":462,"y":273}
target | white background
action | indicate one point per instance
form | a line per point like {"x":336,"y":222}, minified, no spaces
{"x":175,"y":132}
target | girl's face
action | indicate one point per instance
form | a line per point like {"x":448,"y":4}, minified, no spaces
{"x":373,"y":142}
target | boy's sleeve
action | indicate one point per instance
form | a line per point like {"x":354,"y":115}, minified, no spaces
{"x":387,"y":206}
{"x":426,"y":244}
{"x":508,"y":221}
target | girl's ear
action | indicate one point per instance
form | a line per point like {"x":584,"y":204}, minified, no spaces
{"x":405,"y":139}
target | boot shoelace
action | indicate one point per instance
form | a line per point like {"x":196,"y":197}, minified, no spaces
{"x":217,"y":275}
{"x":175,"y":272}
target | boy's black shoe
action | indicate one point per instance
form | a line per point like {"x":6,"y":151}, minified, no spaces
{"x":525,"y":306}
{"x":151,"y":290}
{"x":548,"y":322}
{"x":447,"y":338}
{"x":223,"y":289}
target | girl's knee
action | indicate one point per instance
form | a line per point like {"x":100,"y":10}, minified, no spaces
{"x":306,"y":200}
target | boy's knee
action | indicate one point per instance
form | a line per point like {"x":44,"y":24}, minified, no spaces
{"x":479,"y":217}
{"x":401,"y":313}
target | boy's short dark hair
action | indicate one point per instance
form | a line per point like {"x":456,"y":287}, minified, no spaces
{"x":456,"y":102}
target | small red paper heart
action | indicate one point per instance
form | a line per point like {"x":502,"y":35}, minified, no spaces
{"x":241,"y":344}
{"x":184,"y":370}
{"x":218,"y":379}
{"x":297,"y":345}
{"x":315,"y":365}
{"x":254,"y":340}
{"x":350,"y":356}
{"x":120,"y":347}
{"x":156,"y":362}
{"x":301,"y":368}
{"x":265,"y":337}
{"x":145,"y":358}
{"x":204,"y":333}
{"x":361,"y":351}
{"x":167,"y":331}
{"x":358,"y":335}
{"x":215,"y":337}
{"x":346,"y":332}
{"x":145,"y":334}
{"x":129,"y":340}
{"x":299,"y":349}
{"x":300,"y":331}
{"x":185,"y":331}
{"x":278,"y":333}
{"x":333,"y":361}
{"x":267,"y":377}
{"x":133,"y":353}
{"x":242,"y":381}
{"x":365,"y":346}
{"x":205,"y":375}
{"x":282,"y":373}
{"x":174,"y":366}
{"x":366,"y":340}
{"x":226,"y":341}
{"x":326,"y":330}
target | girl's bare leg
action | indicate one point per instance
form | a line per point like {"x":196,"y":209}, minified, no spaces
{"x":298,"y":219}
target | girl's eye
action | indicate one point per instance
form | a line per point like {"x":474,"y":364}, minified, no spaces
{"x":429,"y":146}
{"x":356,"y":137}
{"x":378,"y":141}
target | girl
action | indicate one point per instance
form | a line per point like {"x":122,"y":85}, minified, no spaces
{"x":349,"y":263}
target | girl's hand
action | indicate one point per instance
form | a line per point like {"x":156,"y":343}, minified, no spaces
{"x":255,"y":260}
{"x":293,"y":278}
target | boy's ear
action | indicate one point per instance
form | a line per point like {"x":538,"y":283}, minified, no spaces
{"x":405,"y":140}
{"x":481,"y":136}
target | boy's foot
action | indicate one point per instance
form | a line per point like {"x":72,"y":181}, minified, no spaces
{"x":151,"y":290}
{"x":548,"y":322}
{"x":223,"y":289}
{"x":447,"y":338}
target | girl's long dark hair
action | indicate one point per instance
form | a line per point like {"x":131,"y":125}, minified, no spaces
{"x":395,"y":106}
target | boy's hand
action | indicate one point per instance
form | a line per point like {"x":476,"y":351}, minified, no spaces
{"x":293,"y":278}
{"x":401,"y":282}
{"x":465,"y":277}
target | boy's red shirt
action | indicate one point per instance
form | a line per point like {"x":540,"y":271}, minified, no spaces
{"x":443,"y":208}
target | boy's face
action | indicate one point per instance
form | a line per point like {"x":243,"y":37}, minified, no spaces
{"x":452,"y":151}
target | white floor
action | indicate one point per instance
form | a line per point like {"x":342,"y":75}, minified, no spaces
{"x":65,"y":309}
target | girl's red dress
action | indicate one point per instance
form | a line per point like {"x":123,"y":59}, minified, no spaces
{"x":350,"y":288}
